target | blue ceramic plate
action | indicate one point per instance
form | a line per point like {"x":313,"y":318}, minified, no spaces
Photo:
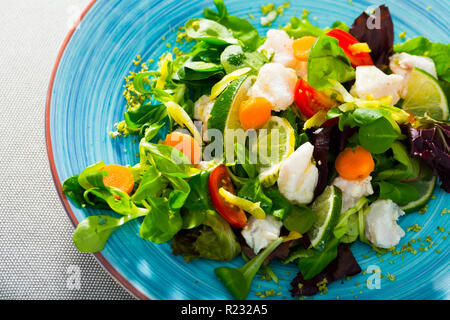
{"x":85,"y":100}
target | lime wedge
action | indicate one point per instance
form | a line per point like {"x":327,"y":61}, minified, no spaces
{"x":424,"y":94}
{"x":225,"y":113}
{"x":275,"y":143}
{"x":425,"y":185}
{"x":327,"y":208}
{"x":220,"y":86}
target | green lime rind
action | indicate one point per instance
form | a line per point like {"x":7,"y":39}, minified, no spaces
{"x":327,"y":208}
{"x":220,"y":112}
{"x":425,"y":185}
{"x":284,"y":147}
{"x":425,"y":95}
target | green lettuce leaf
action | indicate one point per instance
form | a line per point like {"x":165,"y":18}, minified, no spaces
{"x":241,"y":28}
{"x":213,"y":240}
{"x":161,"y":223}
{"x":326,"y":61}
{"x":254,"y":192}
{"x":301,"y":27}
{"x":439,"y":52}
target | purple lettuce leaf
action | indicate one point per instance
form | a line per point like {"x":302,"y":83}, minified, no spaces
{"x":432,"y":145}
{"x":320,"y":139}
{"x":378,"y":33}
{"x":344,"y":265}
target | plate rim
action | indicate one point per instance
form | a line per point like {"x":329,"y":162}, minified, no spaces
{"x":101,"y":259}
{"x":119,"y":278}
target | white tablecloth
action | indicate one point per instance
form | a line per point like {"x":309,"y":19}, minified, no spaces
{"x":37,"y":257}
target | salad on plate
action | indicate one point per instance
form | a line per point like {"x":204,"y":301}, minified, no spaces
{"x":289,"y":146}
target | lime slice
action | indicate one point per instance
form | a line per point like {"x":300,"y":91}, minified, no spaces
{"x":220,"y":86}
{"x":275,"y":143}
{"x":225,"y":114}
{"x":327,"y":208}
{"x":425,"y":185}
{"x":424,"y":94}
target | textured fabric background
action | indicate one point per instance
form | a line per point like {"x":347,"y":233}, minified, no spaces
{"x":37,"y":257}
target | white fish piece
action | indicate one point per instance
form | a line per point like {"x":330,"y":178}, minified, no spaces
{"x":299,"y":176}
{"x":381,"y":227}
{"x":353,"y":191}
{"x":276,"y":83}
{"x":404,"y":63}
{"x":280,"y":43}
{"x":202,"y":111}
{"x":371,"y":81}
{"x":259,"y":233}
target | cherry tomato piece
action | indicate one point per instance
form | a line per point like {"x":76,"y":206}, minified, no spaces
{"x":345,"y":41}
{"x":220,"y":178}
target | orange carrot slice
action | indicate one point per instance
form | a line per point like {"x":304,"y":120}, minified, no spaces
{"x":354,"y":164}
{"x":119,"y":177}
{"x":254,"y":113}
{"x":185,"y":144}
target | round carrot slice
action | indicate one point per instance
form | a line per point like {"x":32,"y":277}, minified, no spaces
{"x":354,"y":163}
{"x":185,"y":144}
{"x":254,"y":113}
{"x":119,"y":177}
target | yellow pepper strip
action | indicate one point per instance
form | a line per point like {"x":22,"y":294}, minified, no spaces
{"x":253,"y":208}
{"x":357,"y":48}
{"x":293,"y":235}
{"x":180,"y":116}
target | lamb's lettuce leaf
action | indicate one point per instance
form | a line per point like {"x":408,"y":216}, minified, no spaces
{"x":241,"y":28}
{"x":300,"y":219}
{"x":93,"y":232}
{"x":399,"y":192}
{"x":253,"y":191}
{"x":161,"y":223}
{"x":209,"y":31}
{"x":199,"y":198}
{"x":378,"y":136}
{"x":166,"y":159}
{"x":340,"y":25}
{"x":408,"y":168}
{"x":314,"y":261}
{"x":72,"y":189}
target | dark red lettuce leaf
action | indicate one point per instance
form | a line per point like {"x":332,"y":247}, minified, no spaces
{"x":328,"y":142}
{"x":344,"y":265}
{"x":320,"y":139}
{"x":380,"y":40}
{"x":432,"y":145}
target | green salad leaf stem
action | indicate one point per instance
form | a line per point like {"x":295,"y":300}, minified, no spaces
{"x":238,"y":280}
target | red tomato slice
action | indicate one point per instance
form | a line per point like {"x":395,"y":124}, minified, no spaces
{"x":310,"y":100}
{"x":345,"y":40}
{"x":220,"y":178}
